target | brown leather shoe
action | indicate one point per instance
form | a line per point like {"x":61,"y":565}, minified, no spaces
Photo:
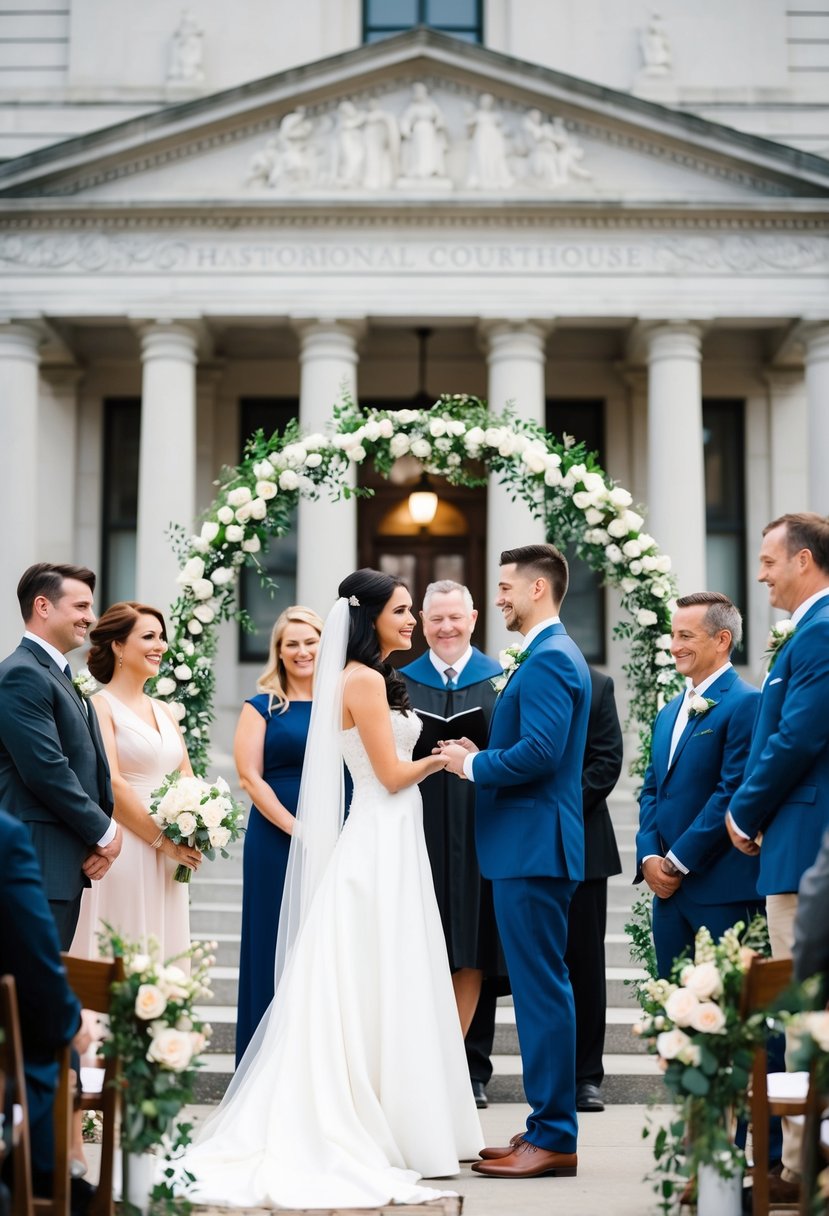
{"x":493,"y":1154}
{"x":528,"y":1161}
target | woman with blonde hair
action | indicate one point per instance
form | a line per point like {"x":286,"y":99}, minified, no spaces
{"x":269,"y":748}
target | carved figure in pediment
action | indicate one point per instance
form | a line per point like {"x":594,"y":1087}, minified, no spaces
{"x":488,"y":168}
{"x":187,"y":52}
{"x":287,"y":158}
{"x":381,"y":136}
{"x":348,"y":146}
{"x":423,"y":128}
{"x":656,"y":48}
{"x":570,"y":153}
{"x":554,"y":156}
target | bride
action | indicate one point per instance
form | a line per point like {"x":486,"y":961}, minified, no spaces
{"x":355,"y":1085}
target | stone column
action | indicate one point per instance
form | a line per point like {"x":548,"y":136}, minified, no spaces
{"x":516,"y":363}
{"x":676,"y":482}
{"x":58,"y":461}
{"x":816,"y":342}
{"x":167,"y":458}
{"x":326,"y":530}
{"x":21,"y":441}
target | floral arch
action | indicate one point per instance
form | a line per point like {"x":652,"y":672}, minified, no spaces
{"x":457,"y":439}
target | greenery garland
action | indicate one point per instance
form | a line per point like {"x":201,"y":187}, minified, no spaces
{"x":458,"y":439}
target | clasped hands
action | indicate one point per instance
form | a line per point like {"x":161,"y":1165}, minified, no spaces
{"x":100,"y":859}
{"x":453,"y":752}
{"x":662,"y":877}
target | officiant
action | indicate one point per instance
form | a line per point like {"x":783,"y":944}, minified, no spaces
{"x":451,"y":678}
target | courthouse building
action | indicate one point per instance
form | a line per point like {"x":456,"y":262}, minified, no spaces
{"x":217,"y":218}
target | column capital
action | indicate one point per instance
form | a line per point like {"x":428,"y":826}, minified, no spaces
{"x":513,"y":339}
{"x":20,"y":340}
{"x":669,"y":339}
{"x":815,"y":339}
{"x":328,"y":337}
{"x":169,"y":340}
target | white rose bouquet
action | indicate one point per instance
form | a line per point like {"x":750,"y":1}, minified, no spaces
{"x":203,"y":814}
{"x":692,"y":1023}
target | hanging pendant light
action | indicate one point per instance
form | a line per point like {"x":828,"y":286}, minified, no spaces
{"x":423,"y":502}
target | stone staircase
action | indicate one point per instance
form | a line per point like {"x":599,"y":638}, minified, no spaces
{"x":631,"y":1075}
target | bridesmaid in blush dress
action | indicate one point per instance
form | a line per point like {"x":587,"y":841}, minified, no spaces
{"x":139,"y":898}
{"x":269,"y":749}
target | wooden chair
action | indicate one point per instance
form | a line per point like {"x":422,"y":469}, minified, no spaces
{"x":765,"y":980}
{"x":91,"y":982}
{"x":24,"y":1202}
{"x":815,"y":1145}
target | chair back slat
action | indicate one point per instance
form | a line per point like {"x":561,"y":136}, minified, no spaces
{"x":11,"y":1055}
{"x":765,"y":979}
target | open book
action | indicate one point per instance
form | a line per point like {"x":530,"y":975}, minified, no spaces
{"x":471,"y":723}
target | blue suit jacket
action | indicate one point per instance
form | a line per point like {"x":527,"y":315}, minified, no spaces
{"x":529,"y":819}
{"x":785,"y":793}
{"x":480,"y":667}
{"x":683,"y":807}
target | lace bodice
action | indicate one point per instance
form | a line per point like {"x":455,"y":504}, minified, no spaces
{"x":405,"y":727}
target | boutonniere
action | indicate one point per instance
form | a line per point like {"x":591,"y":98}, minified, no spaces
{"x":510,"y":659}
{"x":779,"y":635}
{"x":698,"y":706}
{"x":85,"y":683}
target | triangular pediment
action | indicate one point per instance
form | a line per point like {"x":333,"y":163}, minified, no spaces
{"x":414,"y":119}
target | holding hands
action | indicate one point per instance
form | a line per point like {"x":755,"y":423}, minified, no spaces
{"x":453,"y":752}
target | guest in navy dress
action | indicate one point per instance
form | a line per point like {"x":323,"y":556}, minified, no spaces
{"x":269,"y":749}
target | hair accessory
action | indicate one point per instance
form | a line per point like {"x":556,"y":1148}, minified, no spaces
{"x":353,"y":601}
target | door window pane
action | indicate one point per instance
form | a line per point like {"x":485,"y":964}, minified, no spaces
{"x":583,"y":613}
{"x":280,"y":559}
{"x":119,"y":523}
{"x":461,"y":18}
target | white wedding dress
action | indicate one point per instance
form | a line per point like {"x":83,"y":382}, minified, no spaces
{"x":361,"y":1087}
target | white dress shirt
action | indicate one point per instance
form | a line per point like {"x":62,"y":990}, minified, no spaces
{"x":57,"y":656}
{"x":533,"y":633}
{"x":458,"y":666}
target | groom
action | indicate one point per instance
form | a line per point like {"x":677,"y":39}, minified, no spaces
{"x":530,"y":838}
{"x":53,"y":769}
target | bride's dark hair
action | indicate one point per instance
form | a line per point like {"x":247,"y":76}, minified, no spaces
{"x":373,"y":590}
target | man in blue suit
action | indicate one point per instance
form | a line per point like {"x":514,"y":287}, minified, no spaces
{"x":701,"y":741}
{"x":530,"y":839}
{"x":781,"y":809}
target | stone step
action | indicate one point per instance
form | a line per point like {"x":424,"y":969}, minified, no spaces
{"x":224,"y":890}
{"x":208,"y":919}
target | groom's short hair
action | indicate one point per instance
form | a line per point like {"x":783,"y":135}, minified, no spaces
{"x":544,"y":561}
{"x":805,"y":530}
{"x":47,"y":579}
{"x":720,"y":613}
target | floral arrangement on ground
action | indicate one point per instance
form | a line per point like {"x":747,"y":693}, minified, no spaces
{"x":693,"y":1024}
{"x":460,"y":440}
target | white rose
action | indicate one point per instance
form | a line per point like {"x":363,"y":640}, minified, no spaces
{"x":209,"y":530}
{"x":662,"y":659}
{"x":202,"y":589}
{"x":266,"y":489}
{"x":221,"y":576}
{"x":593,"y":516}
{"x":628,"y":585}
{"x":150,"y":1002}
{"x":252,"y":545}
{"x":219,"y":837}
{"x":312,"y":461}
{"x":164,"y":686}
{"x":619,"y":497}
{"x":618,"y":528}
{"x":594,"y":484}
{"x":357,"y":453}
{"x":139,"y":963}
{"x":225,"y":515}
{"x":437,"y":427}
{"x":239,"y":496}
{"x":190,"y":571}
{"x":258,"y":508}
{"x":263,"y":470}
{"x":195,"y":627}
{"x":234,"y":533}
{"x":690,"y":1055}
{"x":171,"y":1049}
{"x":634,"y":522}
{"x":204,"y":613}
{"x":474,"y":437}
{"x":243,"y":513}
{"x":645,"y":617}
{"x":508,"y":445}
{"x":295,"y":455}
{"x":288,"y":480}
{"x":680,"y":1006}
{"x":708,"y":1018}
{"x":553,"y":477}
{"x":646,"y":541}
{"x":671,"y":1042}
{"x":186,"y":823}
{"x":635,"y":566}
{"x":177,"y":710}
{"x":183,"y":672}
{"x":663,"y":562}
{"x":614,"y":554}
{"x":631,"y":548}
{"x":698,"y":704}
{"x":663,"y":642}
{"x":535,"y":462}
{"x":582,"y":500}
{"x":421,"y":448}
{"x":399,"y":445}
{"x":703,"y":980}
{"x":213,"y":812}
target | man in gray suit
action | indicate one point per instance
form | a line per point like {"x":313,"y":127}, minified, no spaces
{"x":53,"y":770}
